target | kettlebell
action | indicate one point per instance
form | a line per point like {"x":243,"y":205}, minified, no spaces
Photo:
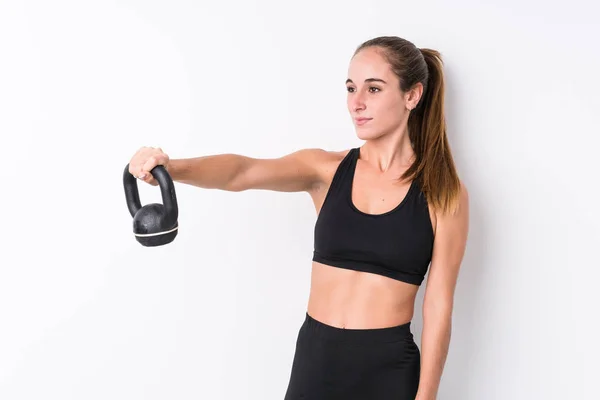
{"x":154,"y":224}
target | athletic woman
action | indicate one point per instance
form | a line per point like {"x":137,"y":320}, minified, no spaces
{"x":388,"y":212}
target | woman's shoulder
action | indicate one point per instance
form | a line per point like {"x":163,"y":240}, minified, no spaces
{"x":322,"y":158}
{"x":325,"y":161}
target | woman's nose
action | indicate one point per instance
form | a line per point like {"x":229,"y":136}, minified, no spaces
{"x":358,"y":102}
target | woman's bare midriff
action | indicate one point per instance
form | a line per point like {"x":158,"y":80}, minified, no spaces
{"x":359,"y":300}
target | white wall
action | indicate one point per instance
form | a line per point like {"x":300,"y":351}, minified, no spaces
{"x":88,"y":313}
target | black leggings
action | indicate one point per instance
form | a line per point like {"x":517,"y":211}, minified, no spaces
{"x":333,"y":363}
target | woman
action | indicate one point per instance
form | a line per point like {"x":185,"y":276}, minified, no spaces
{"x":388,"y":212}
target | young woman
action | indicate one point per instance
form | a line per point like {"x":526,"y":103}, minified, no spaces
{"x":388,"y":212}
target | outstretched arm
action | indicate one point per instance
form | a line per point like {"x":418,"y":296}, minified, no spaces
{"x":295,"y":172}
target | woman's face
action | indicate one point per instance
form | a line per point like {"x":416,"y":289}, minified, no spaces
{"x":374,"y":93}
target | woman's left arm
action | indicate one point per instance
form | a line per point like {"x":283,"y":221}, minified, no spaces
{"x":448,"y":251}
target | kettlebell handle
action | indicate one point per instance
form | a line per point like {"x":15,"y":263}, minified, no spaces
{"x":167,"y":189}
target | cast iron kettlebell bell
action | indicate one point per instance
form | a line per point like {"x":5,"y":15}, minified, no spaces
{"x":154,"y":224}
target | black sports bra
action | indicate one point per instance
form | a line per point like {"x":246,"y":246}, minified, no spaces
{"x":397,"y":244}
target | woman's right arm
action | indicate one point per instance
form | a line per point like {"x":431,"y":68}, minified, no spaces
{"x":294,"y":172}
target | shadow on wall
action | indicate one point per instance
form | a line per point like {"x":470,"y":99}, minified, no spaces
{"x":467,"y":339}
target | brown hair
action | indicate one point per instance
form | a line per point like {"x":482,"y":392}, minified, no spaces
{"x":434,"y":165}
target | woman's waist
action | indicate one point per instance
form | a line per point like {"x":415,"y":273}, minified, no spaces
{"x":359,"y":305}
{"x":357,"y":316}
{"x":315,"y":329}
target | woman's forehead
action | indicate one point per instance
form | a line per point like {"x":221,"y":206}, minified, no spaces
{"x":366,"y":65}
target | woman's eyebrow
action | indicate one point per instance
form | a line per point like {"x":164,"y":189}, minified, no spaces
{"x":368,"y":80}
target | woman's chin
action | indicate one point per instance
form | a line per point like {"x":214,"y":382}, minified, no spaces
{"x":367,"y":134}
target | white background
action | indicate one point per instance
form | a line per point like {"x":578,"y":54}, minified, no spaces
{"x":88,"y":313}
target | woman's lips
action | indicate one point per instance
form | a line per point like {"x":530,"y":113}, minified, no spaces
{"x":362,"y":121}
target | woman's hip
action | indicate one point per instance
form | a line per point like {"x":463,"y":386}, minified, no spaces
{"x":331,"y":363}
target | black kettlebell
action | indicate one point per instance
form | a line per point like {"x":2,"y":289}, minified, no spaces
{"x":154,"y":224}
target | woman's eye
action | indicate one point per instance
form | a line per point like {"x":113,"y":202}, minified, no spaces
{"x":351,"y":90}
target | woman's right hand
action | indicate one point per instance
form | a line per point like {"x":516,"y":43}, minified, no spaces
{"x":144,"y":160}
